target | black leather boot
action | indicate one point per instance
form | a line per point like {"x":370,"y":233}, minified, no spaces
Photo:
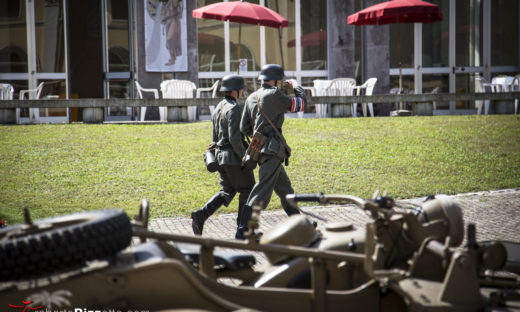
{"x":287,"y":208}
{"x":200,"y":216}
{"x":244,"y":215}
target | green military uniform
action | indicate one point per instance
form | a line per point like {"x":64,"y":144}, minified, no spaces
{"x":231,"y":147}
{"x":272,"y":175}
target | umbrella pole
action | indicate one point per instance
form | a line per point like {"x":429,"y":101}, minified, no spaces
{"x":239,"y":43}
{"x":400,"y":63}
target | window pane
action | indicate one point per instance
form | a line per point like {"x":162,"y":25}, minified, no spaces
{"x":249,"y":46}
{"x":121,"y":90}
{"x":117,"y":38}
{"x":50,"y":52}
{"x":405,"y":33}
{"x":314,"y":34}
{"x":273,"y":42}
{"x":469,"y":33}
{"x":53,"y":89}
{"x":13,"y":37}
{"x":211,"y":42}
{"x":504,"y":33}
{"x":465,"y":83}
{"x":436,"y":38}
{"x":441,"y":81}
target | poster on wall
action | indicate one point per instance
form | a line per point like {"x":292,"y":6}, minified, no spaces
{"x":166,"y":39}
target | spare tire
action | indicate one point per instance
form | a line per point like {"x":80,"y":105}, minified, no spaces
{"x":60,"y":243}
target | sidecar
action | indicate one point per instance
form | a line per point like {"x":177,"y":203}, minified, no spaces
{"x":84,"y":262}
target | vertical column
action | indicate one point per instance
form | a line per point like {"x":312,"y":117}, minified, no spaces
{"x":263,"y":59}
{"x":486,"y":40}
{"x":375,"y":60}
{"x":452,"y":34}
{"x":340,"y":39}
{"x":417,"y":59}
{"x":104,"y":36}
{"x":31,"y":45}
{"x":298,"y":33}
{"x":227,"y":54}
{"x":66,"y":46}
{"x":131,"y":47}
{"x":34,"y":113}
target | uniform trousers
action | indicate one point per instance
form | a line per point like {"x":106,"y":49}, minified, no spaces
{"x":234,"y":179}
{"x":271,"y":177}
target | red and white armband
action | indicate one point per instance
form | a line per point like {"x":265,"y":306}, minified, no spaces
{"x":298,"y":105}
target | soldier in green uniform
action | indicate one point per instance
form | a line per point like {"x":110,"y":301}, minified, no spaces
{"x":230,"y":149}
{"x":269,"y":103}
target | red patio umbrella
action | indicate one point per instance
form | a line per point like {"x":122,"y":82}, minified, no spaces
{"x":395,"y":12}
{"x":241,"y":12}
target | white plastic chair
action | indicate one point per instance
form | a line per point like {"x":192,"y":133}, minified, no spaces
{"x":435,"y":91}
{"x":6,"y":91}
{"x":313,"y":93}
{"x":502,"y":83}
{"x":482,"y":86}
{"x":342,"y":87}
{"x":368,"y":86}
{"x":515,"y":87}
{"x":32,"y":94}
{"x":320,"y":89}
{"x":213,"y":89}
{"x":180,"y":89}
{"x":140,"y":90}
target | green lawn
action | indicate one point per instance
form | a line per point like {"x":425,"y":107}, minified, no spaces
{"x":57,"y":169}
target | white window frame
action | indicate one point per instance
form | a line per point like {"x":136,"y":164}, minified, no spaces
{"x":32,"y":76}
{"x":453,"y":70}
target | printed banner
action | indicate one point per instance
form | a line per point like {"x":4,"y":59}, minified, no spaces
{"x":166,"y":38}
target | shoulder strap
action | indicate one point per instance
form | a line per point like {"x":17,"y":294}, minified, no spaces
{"x":273,"y":126}
{"x":221,"y":112}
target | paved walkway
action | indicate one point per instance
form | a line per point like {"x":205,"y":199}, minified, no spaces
{"x":495,"y":213}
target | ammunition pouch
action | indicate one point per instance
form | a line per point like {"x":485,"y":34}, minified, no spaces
{"x":253,"y":151}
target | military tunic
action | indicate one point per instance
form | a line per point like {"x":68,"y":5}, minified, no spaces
{"x":272,"y":175}
{"x":230,"y":149}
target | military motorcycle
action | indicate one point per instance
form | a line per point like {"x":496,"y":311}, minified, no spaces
{"x":405,"y":259}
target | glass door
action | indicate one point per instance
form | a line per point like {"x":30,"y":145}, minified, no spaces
{"x":118,"y":56}
{"x":468,"y":29}
{"x":34,"y":50}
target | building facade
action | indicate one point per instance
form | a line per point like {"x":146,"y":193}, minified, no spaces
{"x":97,"y":48}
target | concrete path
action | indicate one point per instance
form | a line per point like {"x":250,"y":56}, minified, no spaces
{"x":495,"y":213}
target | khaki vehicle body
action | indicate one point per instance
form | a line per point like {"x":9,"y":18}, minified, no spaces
{"x":406,"y":259}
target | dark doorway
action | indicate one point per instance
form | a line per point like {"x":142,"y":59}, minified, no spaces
{"x":86,"y":49}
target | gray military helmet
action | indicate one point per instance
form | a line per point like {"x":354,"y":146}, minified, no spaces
{"x":271,"y":72}
{"x":232,"y":82}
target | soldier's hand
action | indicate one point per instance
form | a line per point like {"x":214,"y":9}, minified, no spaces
{"x":287,"y":88}
{"x":293,"y":82}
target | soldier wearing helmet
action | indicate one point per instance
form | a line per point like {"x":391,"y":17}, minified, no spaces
{"x":264,"y":109}
{"x":230,"y":148}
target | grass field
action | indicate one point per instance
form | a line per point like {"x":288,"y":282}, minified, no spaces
{"x":57,"y":169}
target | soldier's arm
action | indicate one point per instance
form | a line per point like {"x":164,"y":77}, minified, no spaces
{"x":246,"y":126}
{"x":293,"y":104}
{"x":235,"y":136}
{"x":299,"y":99}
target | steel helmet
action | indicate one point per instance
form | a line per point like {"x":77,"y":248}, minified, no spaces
{"x":271,"y":72}
{"x":232,"y":82}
